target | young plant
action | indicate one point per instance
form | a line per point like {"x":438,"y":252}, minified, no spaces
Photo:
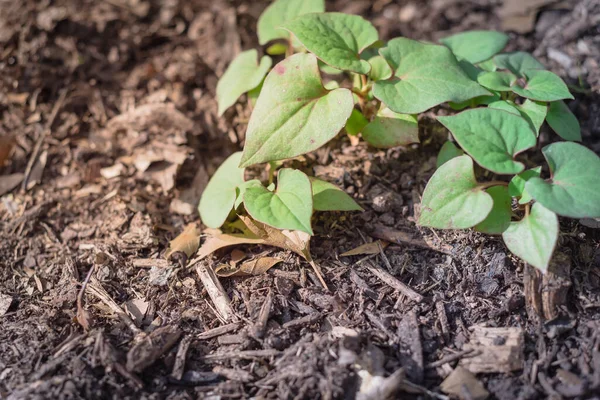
{"x":378,"y":90}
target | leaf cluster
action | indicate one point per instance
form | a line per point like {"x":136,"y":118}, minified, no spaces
{"x":376,"y":90}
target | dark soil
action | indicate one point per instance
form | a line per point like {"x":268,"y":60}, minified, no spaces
{"x":112,"y":108}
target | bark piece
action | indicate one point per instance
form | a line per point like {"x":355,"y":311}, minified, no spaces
{"x":546,"y":294}
{"x":151,"y":348}
{"x":465,"y":385}
{"x":216,"y":292}
{"x":500,"y":350}
{"x":410,"y":348}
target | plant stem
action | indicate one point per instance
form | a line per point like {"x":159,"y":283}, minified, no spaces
{"x":527,"y":210}
{"x":363,"y":79}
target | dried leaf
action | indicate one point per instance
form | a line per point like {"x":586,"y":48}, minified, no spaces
{"x":367,"y":248}
{"x":9,"y":182}
{"x":187,"y":242}
{"x":296,"y":241}
{"x":218,"y":240}
{"x":461,"y":381}
{"x":6,"y":145}
{"x":252,"y":267}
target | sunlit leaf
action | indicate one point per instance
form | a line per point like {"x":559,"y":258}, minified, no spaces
{"x":281,"y":11}
{"x":476,"y":46}
{"x":389,"y":129}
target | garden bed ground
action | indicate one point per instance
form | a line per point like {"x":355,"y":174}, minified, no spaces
{"x":112,"y":107}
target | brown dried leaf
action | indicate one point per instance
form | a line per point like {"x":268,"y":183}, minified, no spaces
{"x":296,"y":241}
{"x":6,"y":145}
{"x":187,"y":242}
{"x":462,"y":383}
{"x":9,"y":182}
{"x":367,"y":248}
{"x":219,"y":240}
{"x":252,"y":267}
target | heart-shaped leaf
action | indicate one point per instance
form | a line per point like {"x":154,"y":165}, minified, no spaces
{"x":499,"y":218}
{"x":289,"y":207}
{"x":492,"y":137}
{"x":488,"y":65}
{"x":219,"y":195}
{"x":447,"y":153}
{"x":563,"y":122}
{"x":574,"y":190}
{"x":543,"y":86}
{"x":501,"y":81}
{"x":241,"y":189}
{"x":294,"y":113}
{"x":534,"y":112}
{"x":389,"y":129}
{"x":425,"y":75}
{"x":243,"y":75}
{"x":476,"y":46}
{"x":516,"y":187}
{"x":380,"y":69}
{"x":517,"y":62}
{"x":534,"y":237}
{"x":328,"y":197}
{"x":356,"y":122}
{"x":336,"y":38}
{"x":453,"y":199}
{"x":281,"y":11}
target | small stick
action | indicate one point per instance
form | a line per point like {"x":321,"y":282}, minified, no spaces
{"x":245,"y":355}
{"x":218,"y":331}
{"x":395,"y":283}
{"x":308,"y":319}
{"x":450,"y":358}
{"x":257,"y":330}
{"x":83,"y":315}
{"x":95,"y":287}
{"x":216,"y":292}
{"x":42,"y":137}
{"x":317,"y":270}
{"x":182,"y":350}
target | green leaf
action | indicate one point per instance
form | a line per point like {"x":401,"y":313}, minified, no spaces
{"x":534,"y":237}
{"x":380,"y":69}
{"x":471,"y":70}
{"x":220,"y":194}
{"x":288,"y":207}
{"x":281,"y":11}
{"x":277,"y":49}
{"x":242,"y":75}
{"x":498,"y":219}
{"x":492,"y":137}
{"x":501,"y":81}
{"x":516,"y":187}
{"x":336,"y":38}
{"x":425,"y":75}
{"x":356,"y":122}
{"x":563,"y":122}
{"x":574,"y":190}
{"x":543,"y":86}
{"x":294,"y":113}
{"x":389,"y":129}
{"x":447,"y":153}
{"x":517,"y":62}
{"x":241,"y":189}
{"x":326,"y":69}
{"x":476,"y":46}
{"x":328,"y":197}
{"x":474,"y":102}
{"x":453,"y":199}
{"x":488,"y":65}
{"x":534,"y":112}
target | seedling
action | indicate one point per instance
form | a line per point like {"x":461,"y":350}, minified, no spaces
{"x":375,"y":90}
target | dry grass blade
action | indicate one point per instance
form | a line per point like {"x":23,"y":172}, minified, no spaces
{"x":367,"y":248}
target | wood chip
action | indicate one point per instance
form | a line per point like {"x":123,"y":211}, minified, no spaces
{"x":221,"y":330}
{"x":5,"y":303}
{"x":182,"y":351}
{"x":147,"y":351}
{"x":500,"y":350}
{"x":407,"y":238}
{"x":410,"y":348}
{"x":464,"y":384}
{"x":367,"y":248}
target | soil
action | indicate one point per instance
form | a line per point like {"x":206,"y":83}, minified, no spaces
{"x":111,"y":109}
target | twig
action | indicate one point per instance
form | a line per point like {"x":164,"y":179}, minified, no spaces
{"x":95,"y":287}
{"x":83,"y":315}
{"x":221,"y":330}
{"x":450,"y":358}
{"x":319,"y":274}
{"x":179,"y":366}
{"x":42,"y":137}
{"x":257,"y":330}
{"x":245,"y":355}
{"x":216,"y":292}
{"x":308,"y":319}
{"x":395,"y":283}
